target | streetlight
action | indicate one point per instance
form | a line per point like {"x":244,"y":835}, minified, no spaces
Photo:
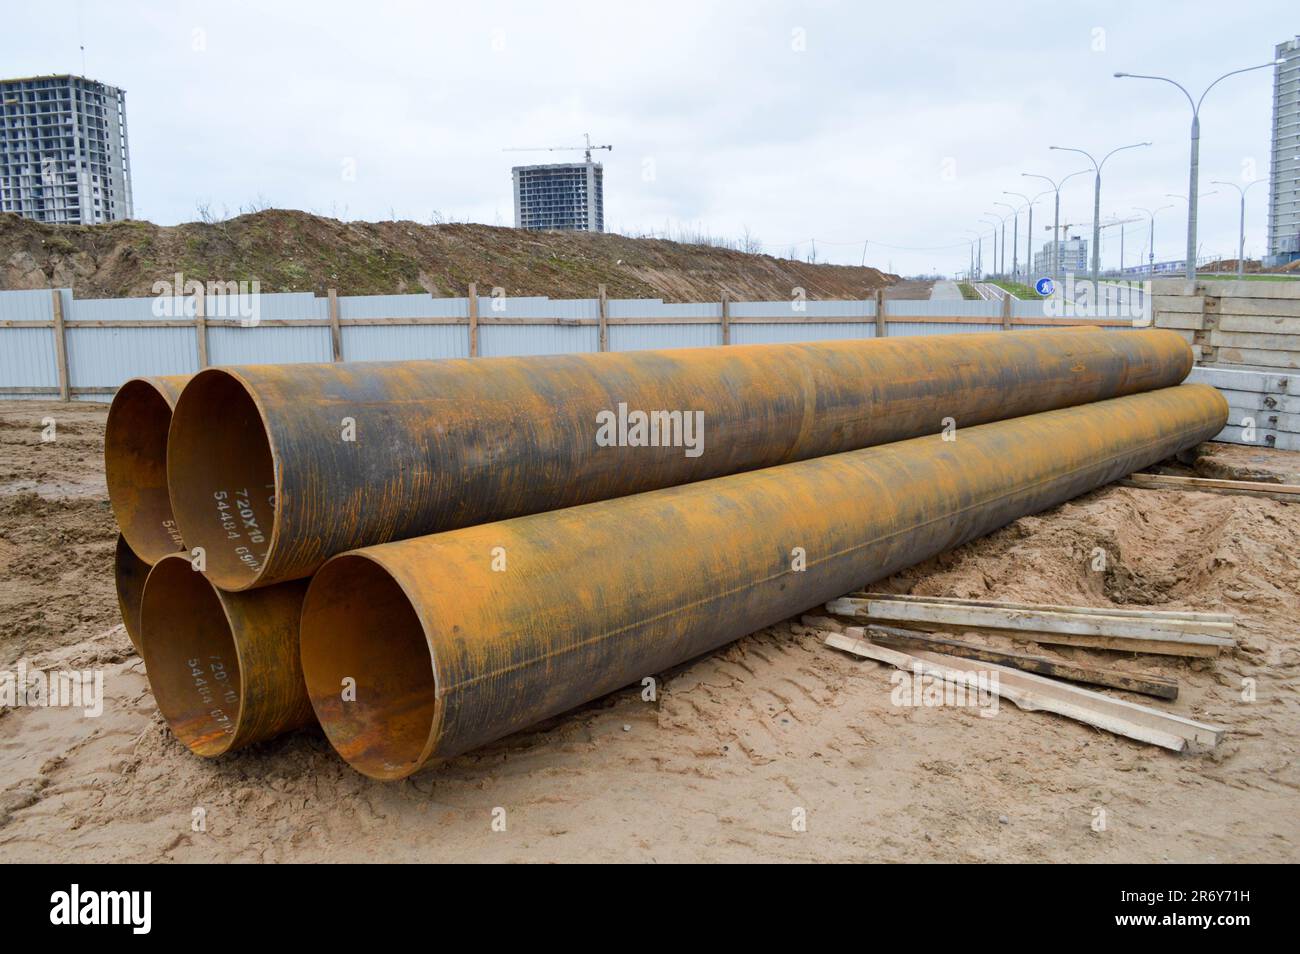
{"x":1241,"y":229}
{"x":1183,"y":198}
{"x":1194,"y":172}
{"x":1056,"y":221}
{"x":994,"y":242}
{"x":1029,"y":229}
{"x":1096,"y":197}
{"x":1015,"y":239}
{"x":979,"y":236}
{"x":1151,"y":243}
{"x":996,"y":222}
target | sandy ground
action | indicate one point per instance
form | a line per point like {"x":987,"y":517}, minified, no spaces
{"x":736,"y":743}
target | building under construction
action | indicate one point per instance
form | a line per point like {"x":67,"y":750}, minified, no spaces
{"x":563,"y":195}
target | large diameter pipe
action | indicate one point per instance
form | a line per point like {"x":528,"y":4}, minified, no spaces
{"x":452,"y":640}
{"x":135,"y":464}
{"x":224,"y":667}
{"x":275,"y":468}
{"x":129,"y":574}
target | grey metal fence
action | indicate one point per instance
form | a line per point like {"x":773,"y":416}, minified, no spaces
{"x":55,"y":345}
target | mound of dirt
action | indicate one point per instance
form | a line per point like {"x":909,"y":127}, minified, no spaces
{"x":294,"y":251}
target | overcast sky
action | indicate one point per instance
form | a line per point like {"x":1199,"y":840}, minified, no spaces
{"x":896,"y":124}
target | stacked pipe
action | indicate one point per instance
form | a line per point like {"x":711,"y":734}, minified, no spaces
{"x":430,"y":555}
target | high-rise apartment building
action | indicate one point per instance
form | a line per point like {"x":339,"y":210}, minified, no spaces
{"x":565,"y":195}
{"x":1284,"y":171}
{"x":63,"y":150}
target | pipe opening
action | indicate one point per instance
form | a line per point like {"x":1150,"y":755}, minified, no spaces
{"x":191,"y":658}
{"x":222,"y":478}
{"x":358,"y":624}
{"x":135,"y":469}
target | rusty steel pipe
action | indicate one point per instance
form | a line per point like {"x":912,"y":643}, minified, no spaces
{"x":263,"y":477}
{"x":135,"y":464}
{"x":224,"y":667}
{"x":129,"y":574}
{"x":449,"y":651}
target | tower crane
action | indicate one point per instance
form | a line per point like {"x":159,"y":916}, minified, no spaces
{"x":586,"y":150}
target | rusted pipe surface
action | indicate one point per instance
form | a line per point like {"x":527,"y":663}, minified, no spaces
{"x":135,"y":464}
{"x":224,"y":667}
{"x":129,"y":573}
{"x":458,"y":638}
{"x":274,"y":468}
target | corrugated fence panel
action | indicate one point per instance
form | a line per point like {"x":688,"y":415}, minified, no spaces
{"x":787,"y":334}
{"x":497,"y":341}
{"x":27,"y":356}
{"x":404,"y":342}
{"x":656,"y":308}
{"x":105,"y":357}
{"x":802,"y":310}
{"x":958,"y":309}
{"x":652,"y":337}
{"x":263,"y":345}
{"x":901,"y":329}
{"x":401,"y":306}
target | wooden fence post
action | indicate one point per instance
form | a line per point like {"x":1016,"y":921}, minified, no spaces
{"x":603,"y":339}
{"x":726,"y":318}
{"x":61,"y":346}
{"x":473,"y":319}
{"x":882,"y":330}
{"x":336,"y":329}
{"x":1006,"y":310}
{"x":201,"y":327}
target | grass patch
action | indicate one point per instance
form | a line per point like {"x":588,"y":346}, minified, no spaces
{"x":968,"y":291}
{"x":1019,"y":289}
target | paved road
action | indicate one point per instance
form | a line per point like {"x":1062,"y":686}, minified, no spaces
{"x":945,"y":291}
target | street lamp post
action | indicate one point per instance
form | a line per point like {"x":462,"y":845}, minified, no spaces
{"x":1241,"y":227}
{"x":1029,"y":230}
{"x":1194,"y":171}
{"x":1015,"y":239}
{"x":1183,"y":198}
{"x":1151,"y":242}
{"x":1056,"y":220}
{"x":1096,"y":197}
{"x":994,"y":240}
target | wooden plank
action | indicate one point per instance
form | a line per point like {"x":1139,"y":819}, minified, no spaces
{"x":726,"y":318}
{"x":1287,"y":493}
{"x":1006,"y":311}
{"x":473,"y":319}
{"x":336,"y":330}
{"x":1203,"y":632}
{"x":882,"y":326}
{"x":61,"y":345}
{"x":201,"y":327}
{"x":1052,"y":607}
{"x":1032,"y":692}
{"x":1075,"y":672}
{"x":602,"y":337}
{"x":1118,"y":644}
